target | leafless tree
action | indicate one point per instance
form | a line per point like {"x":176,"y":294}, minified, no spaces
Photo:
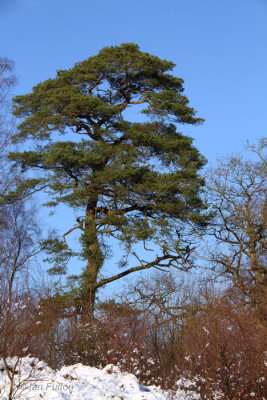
{"x":18,"y":237}
{"x":237,"y":251}
{"x":7,"y":82}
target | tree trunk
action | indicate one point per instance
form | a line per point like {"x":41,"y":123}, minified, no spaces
{"x":94,"y":256}
{"x":259,"y":294}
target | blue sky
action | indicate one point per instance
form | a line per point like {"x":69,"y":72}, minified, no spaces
{"x":219,"y":46}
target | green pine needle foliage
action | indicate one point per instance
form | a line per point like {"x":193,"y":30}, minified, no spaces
{"x":135,"y":181}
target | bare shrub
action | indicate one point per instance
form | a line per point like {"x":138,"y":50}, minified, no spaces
{"x":203,"y":334}
{"x":224,"y":347}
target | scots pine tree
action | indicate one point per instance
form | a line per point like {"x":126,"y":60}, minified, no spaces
{"x":136,"y":181}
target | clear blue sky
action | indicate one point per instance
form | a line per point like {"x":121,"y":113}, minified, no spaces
{"x":219,"y":46}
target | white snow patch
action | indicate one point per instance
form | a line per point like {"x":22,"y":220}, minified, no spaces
{"x":35,"y":380}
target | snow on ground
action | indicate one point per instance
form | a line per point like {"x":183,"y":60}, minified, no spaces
{"x":35,"y":380}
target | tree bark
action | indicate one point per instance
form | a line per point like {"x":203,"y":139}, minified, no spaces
{"x":94,"y":257}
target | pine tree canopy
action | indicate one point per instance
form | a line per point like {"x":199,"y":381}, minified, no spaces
{"x":137,"y":181}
